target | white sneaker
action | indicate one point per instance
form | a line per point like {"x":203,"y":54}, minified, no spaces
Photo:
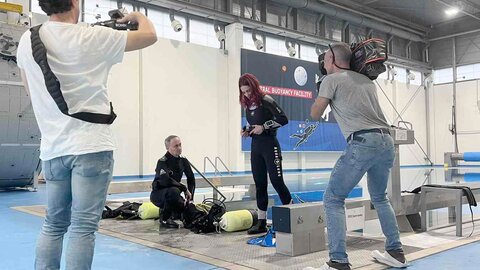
{"x":323,"y":267}
{"x":387,"y":259}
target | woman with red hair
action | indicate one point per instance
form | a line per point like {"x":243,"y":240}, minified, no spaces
{"x":264,"y":117}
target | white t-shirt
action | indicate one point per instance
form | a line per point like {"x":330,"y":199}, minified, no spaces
{"x":80,"y":56}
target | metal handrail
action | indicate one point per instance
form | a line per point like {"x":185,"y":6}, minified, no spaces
{"x":215,"y":189}
{"x":214,"y":166}
{"x":223,"y":163}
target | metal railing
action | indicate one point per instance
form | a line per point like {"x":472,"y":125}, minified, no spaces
{"x":223,"y":163}
{"x":205,"y":159}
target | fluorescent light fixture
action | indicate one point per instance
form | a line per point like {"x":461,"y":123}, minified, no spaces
{"x":452,"y":11}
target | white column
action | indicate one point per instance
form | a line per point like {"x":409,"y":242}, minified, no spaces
{"x":234,"y":42}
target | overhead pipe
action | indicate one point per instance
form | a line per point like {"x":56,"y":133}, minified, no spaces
{"x":317,"y":24}
{"x":352,"y":18}
{"x":206,"y":13}
{"x":408,"y":49}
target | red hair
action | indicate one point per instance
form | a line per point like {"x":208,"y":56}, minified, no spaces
{"x":256,"y":95}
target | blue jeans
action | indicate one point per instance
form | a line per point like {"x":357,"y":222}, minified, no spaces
{"x":76,"y":192}
{"x":371,"y":153}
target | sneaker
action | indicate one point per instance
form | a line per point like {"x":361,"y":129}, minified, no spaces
{"x":260,"y":227}
{"x":169,"y":223}
{"x":394,"y":258}
{"x":331,"y":266}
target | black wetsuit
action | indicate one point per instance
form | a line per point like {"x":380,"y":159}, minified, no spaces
{"x":166,"y":188}
{"x":266,"y":155}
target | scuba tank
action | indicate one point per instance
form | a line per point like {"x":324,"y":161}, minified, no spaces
{"x":239,"y":220}
{"x":148,"y":211}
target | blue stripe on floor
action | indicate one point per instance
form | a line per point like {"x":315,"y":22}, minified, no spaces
{"x":464,"y":257}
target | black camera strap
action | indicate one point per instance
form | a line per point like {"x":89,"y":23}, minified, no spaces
{"x":53,"y":85}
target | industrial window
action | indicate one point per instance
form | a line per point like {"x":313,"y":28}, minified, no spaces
{"x":203,"y":33}
{"x":248,"y":40}
{"x":401,"y":75}
{"x":443,"y":76}
{"x":97,"y":10}
{"x":308,"y":53}
{"x":277,"y":46}
{"x":468,"y":72}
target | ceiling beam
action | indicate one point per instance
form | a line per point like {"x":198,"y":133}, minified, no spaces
{"x":369,"y":2}
{"x":455,"y":35}
{"x":202,"y":12}
{"x":345,"y":14}
{"x":389,"y":17}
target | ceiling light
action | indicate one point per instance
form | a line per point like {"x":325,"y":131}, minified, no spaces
{"x":452,"y":11}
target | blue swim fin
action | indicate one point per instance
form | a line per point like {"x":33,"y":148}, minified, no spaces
{"x":269,"y":239}
{"x":256,"y":240}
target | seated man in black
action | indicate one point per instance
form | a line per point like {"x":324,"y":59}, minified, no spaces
{"x":167,"y":186}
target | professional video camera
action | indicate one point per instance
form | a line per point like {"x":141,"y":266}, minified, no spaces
{"x":112,"y":23}
{"x":368,"y":58}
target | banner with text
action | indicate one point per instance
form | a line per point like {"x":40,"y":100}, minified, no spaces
{"x":292,"y":83}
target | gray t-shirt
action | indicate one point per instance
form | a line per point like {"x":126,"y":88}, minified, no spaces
{"x":354,"y":101}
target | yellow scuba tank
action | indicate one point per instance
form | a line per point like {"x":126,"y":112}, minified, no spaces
{"x":148,"y":211}
{"x":239,"y":220}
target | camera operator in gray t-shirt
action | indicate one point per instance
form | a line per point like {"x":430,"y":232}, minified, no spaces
{"x":354,"y":103}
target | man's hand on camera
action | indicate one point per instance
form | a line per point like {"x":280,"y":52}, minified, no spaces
{"x":130,"y":17}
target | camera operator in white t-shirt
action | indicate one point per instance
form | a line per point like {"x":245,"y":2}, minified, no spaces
{"x":77,"y":154}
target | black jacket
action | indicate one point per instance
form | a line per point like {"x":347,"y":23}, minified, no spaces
{"x":169,"y":173}
{"x":268,"y":114}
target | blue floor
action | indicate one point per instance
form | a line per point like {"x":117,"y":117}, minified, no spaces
{"x":464,"y":257}
{"x":19,"y":232}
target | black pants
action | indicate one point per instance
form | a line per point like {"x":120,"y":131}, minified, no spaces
{"x":169,"y":201}
{"x":266,"y":156}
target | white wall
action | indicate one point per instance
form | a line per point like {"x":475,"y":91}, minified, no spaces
{"x":442,"y":140}
{"x":410,"y":101}
{"x":123,"y":91}
{"x":183,"y":87}
{"x":468,"y":118}
{"x":415,"y":113}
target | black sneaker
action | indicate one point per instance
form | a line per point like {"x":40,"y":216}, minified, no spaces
{"x":331,"y":266}
{"x":394,"y":258}
{"x":169,"y":223}
{"x":259,"y":227}
{"x":339,"y":266}
{"x":398,"y":255}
